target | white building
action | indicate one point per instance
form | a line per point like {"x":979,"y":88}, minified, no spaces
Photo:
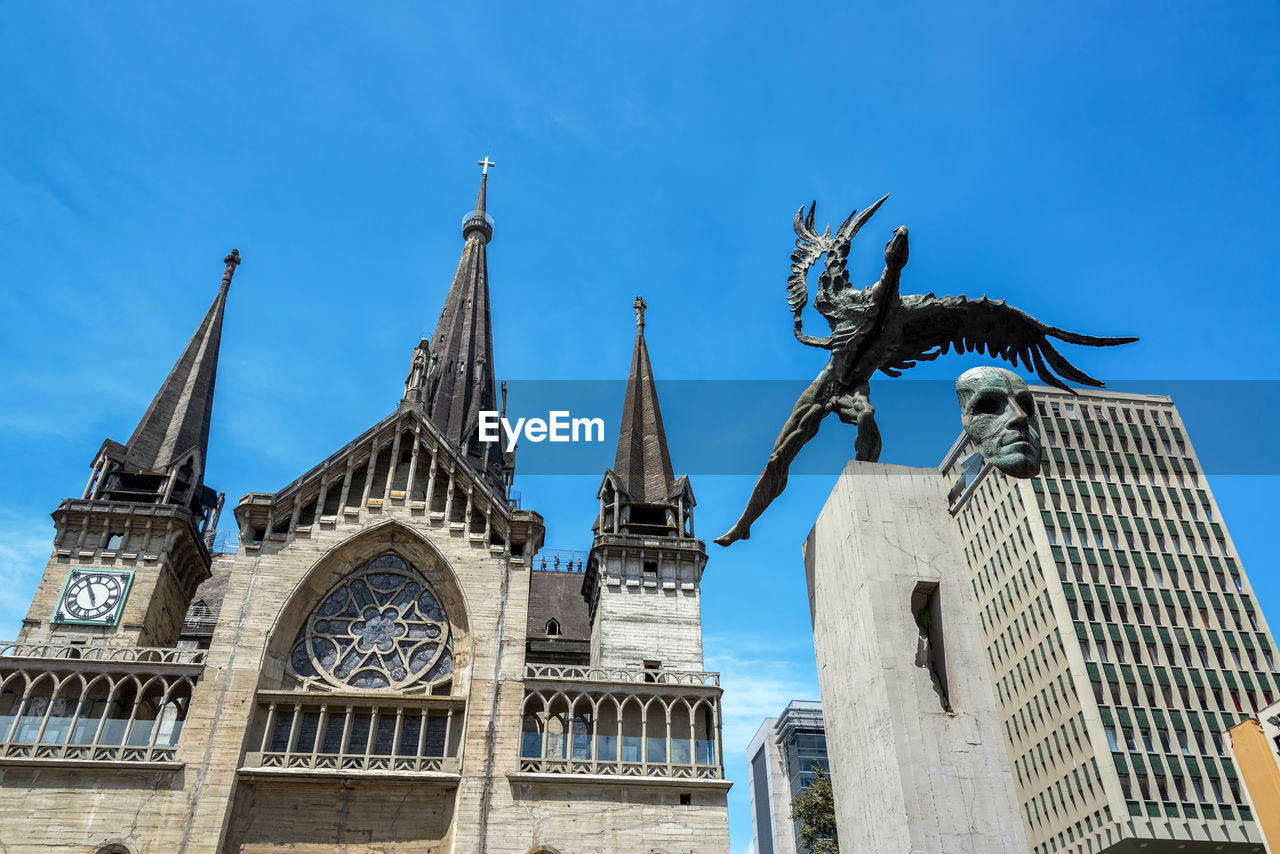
{"x":1122,"y":633}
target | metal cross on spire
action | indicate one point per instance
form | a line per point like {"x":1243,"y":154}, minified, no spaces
{"x":486,"y":163}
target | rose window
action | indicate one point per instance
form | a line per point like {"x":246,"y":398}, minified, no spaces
{"x":380,"y":628}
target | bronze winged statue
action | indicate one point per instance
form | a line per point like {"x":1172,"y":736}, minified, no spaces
{"x":879,"y":329}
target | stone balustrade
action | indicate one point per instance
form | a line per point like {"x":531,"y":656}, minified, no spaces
{"x":621,"y":723}
{"x":65,"y":653}
{"x":658,"y":676}
{"x":313,"y":735}
{"x":91,"y":709}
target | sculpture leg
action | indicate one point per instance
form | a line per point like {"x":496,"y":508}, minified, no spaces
{"x":855,"y":408}
{"x":802,"y":426}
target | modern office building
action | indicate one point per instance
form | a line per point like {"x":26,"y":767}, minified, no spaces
{"x":1255,"y":746}
{"x":1123,"y":636}
{"x":782,"y":755}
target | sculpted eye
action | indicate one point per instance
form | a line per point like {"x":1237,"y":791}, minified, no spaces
{"x":988,"y":404}
{"x":1027,"y":403}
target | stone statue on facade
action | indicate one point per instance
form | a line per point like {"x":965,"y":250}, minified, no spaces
{"x":999,"y":415}
{"x":417,"y":371}
{"x":878,"y":329}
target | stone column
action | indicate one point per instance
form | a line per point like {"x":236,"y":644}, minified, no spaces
{"x":918,"y":758}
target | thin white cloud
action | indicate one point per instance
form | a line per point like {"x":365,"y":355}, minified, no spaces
{"x":759,"y":679}
{"x":25,"y":544}
{"x":760,"y":674}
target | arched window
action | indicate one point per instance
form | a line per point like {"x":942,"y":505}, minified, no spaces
{"x":381,"y":627}
{"x":114,"y":848}
{"x":531,"y":737}
{"x":553,"y":626}
{"x":543,"y":849}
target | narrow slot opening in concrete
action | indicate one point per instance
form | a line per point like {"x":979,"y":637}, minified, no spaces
{"x":926,"y":609}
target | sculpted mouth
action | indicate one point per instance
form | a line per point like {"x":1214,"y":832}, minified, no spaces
{"x":1013,"y":439}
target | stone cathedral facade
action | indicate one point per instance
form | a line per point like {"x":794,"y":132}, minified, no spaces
{"x":384,"y":662}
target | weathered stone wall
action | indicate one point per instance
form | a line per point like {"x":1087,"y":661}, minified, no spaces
{"x":154,"y":609}
{"x":273,"y":592}
{"x":70,"y":810}
{"x":918,"y":761}
{"x":636,"y":624}
{"x":647,"y":616}
{"x":341,"y":817}
{"x":599,"y":817}
{"x":204,"y":809}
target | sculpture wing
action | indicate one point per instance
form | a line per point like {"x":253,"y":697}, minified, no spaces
{"x":835,"y":277}
{"x":809,"y":247}
{"x":932,"y":326}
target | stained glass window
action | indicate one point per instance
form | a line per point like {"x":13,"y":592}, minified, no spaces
{"x":381,"y":628}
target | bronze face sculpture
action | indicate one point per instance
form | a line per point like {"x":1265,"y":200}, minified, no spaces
{"x":998,"y":412}
{"x":879,"y":329}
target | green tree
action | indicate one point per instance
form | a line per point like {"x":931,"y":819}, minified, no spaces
{"x":815,"y":809}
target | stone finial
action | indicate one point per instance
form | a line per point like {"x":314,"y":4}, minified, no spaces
{"x":232,"y":261}
{"x":640,"y":305}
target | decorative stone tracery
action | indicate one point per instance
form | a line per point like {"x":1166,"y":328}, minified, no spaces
{"x":380,"y":628}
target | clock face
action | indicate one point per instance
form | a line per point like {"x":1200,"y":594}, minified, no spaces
{"x":93,"y":596}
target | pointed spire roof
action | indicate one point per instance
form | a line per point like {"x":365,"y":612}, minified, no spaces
{"x":460,"y":380}
{"x":177,"y":421}
{"x":643,"y":464}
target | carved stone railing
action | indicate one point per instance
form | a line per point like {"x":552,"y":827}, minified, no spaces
{"x":55,"y":709}
{"x":87,"y":753}
{"x":578,"y":673}
{"x":67,"y":652}
{"x":309,"y":734}
{"x":621,"y":723}
{"x":105,"y":508}
{"x":607,"y":767}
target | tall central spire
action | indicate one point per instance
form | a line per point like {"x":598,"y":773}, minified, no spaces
{"x":643,"y":464}
{"x":459,"y":381}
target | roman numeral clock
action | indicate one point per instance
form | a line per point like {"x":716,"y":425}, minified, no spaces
{"x":93,"y":596}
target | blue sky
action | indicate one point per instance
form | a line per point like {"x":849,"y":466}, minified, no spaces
{"x":1108,"y":167}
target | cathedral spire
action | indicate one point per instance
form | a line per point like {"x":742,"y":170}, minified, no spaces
{"x":177,"y":421}
{"x":164,"y":460}
{"x":643,"y":464}
{"x":459,"y":381}
{"x":478,"y":222}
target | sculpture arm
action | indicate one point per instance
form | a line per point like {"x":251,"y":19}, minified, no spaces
{"x":824,"y":343}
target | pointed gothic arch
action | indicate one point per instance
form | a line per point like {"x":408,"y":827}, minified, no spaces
{"x":356,"y":554}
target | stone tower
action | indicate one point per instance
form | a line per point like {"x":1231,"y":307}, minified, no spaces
{"x":131,"y":550}
{"x":380,"y":665}
{"x":645,"y":568}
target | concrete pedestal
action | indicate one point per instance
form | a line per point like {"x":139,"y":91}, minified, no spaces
{"x":918,"y":759}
